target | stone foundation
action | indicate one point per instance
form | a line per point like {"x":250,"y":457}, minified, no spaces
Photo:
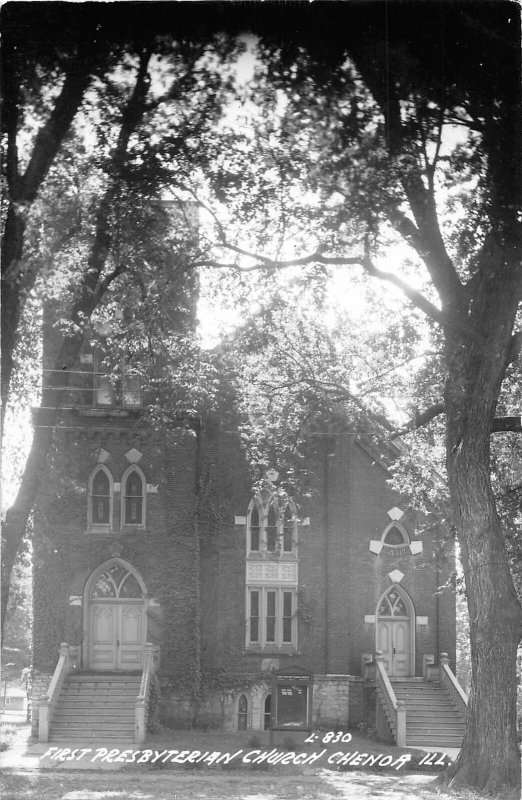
{"x":339,"y":702}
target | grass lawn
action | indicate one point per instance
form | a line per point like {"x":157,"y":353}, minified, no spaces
{"x":222,"y":785}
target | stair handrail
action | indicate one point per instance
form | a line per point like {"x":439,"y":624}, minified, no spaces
{"x":47,"y":703}
{"x":142,"y":700}
{"x":450,"y":682}
{"x":395,"y":710}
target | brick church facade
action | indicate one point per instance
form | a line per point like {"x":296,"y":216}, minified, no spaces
{"x":146,"y":538}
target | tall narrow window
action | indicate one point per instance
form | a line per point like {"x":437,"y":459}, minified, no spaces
{"x":242,"y":712}
{"x":131,"y":396}
{"x":270,"y":617}
{"x":104,"y":388}
{"x":100,"y":500}
{"x":271,"y":530}
{"x":254,"y":530}
{"x":133,"y":498}
{"x":288,"y":530}
{"x":287,"y":617}
{"x":254,"y":616}
{"x":266,"y":712}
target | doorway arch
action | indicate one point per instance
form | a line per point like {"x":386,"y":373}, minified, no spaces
{"x":115,"y":620}
{"x":395,"y":631}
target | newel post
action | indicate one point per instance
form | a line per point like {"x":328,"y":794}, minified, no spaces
{"x":401,"y":723}
{"x":140,"y":712}
{"x":443,"y":662}
{"x":43,"y":719}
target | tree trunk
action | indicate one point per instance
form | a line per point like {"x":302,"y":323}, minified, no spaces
{"x":489,"y":759}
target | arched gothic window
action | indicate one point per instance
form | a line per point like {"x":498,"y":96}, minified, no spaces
{"x":100,"y":500}
{"x":393,"y":604}
{"x":133,"y":497}
{"x":395,"y":536}
{"x":117,"y":582}
{"x":271,"y":526}
{"x":242,"y":712}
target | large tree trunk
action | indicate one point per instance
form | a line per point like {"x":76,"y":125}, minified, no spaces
{"x":489,"y":758}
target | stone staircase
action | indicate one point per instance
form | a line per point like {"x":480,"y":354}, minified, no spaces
{"x":433,"y":718}
{"x":96,"y":706}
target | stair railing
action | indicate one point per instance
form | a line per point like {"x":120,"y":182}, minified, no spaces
{"x":394,"y":710}
{"x":47,"y":704}
{"x":142,"y":700}
{"x":450,"y":682}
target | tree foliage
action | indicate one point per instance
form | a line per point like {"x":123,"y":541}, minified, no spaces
{"x":366,"y":126}
{"x":415,"y":135}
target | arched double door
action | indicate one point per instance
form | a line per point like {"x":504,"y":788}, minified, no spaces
{"x":116,"y":619}
{"x":394,"y":632}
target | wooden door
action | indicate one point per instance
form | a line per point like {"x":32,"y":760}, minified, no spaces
{"x":393,"y":639}
{"x":116,"y":618}
{"x":104,"y":636}
{"x":130,"y":636}
{"x":400,"y":648}
{"x":117,"y":636}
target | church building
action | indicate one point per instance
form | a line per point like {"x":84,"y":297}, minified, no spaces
{"x":157,"y":564}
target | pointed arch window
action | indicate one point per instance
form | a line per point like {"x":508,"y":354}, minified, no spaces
{"x":116,"y":582}
{"x":243,"y":712}
{"x":133,"y":498}
{"x":393,"y":605}
{"x":100,"y":500}
{"x":395,"y":536}
{"x":271,"y":527}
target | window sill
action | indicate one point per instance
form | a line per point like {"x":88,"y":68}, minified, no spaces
{"x":108,"y":411}
{"x":284,"y":650}
{"x":100,"y":530}
{"x":128,"y":529}
{"x":267,"y":555}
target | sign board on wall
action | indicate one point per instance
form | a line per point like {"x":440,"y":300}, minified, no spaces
{"x":291,"y":707}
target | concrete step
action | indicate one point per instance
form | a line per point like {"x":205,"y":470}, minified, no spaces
{"x":98,"y":706}
{"x":433,"y":719}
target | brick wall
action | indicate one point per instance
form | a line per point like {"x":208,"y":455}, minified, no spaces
{"x":191,"y":556}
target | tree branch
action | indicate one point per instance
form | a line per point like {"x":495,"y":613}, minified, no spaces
{"x":439,"y":316}
{"x":500,"y":424}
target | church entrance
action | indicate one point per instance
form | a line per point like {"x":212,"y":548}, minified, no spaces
{"x":116,"y":619}
{"x":394,"y":632}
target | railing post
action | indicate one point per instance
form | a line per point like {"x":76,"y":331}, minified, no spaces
{"x":47,"y":703}
{"x":427,"y":662}
{"x":43,"y":719}
{"x":64,"y":653}
{"x":401,"y":724}
{"x":140,"y":711}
